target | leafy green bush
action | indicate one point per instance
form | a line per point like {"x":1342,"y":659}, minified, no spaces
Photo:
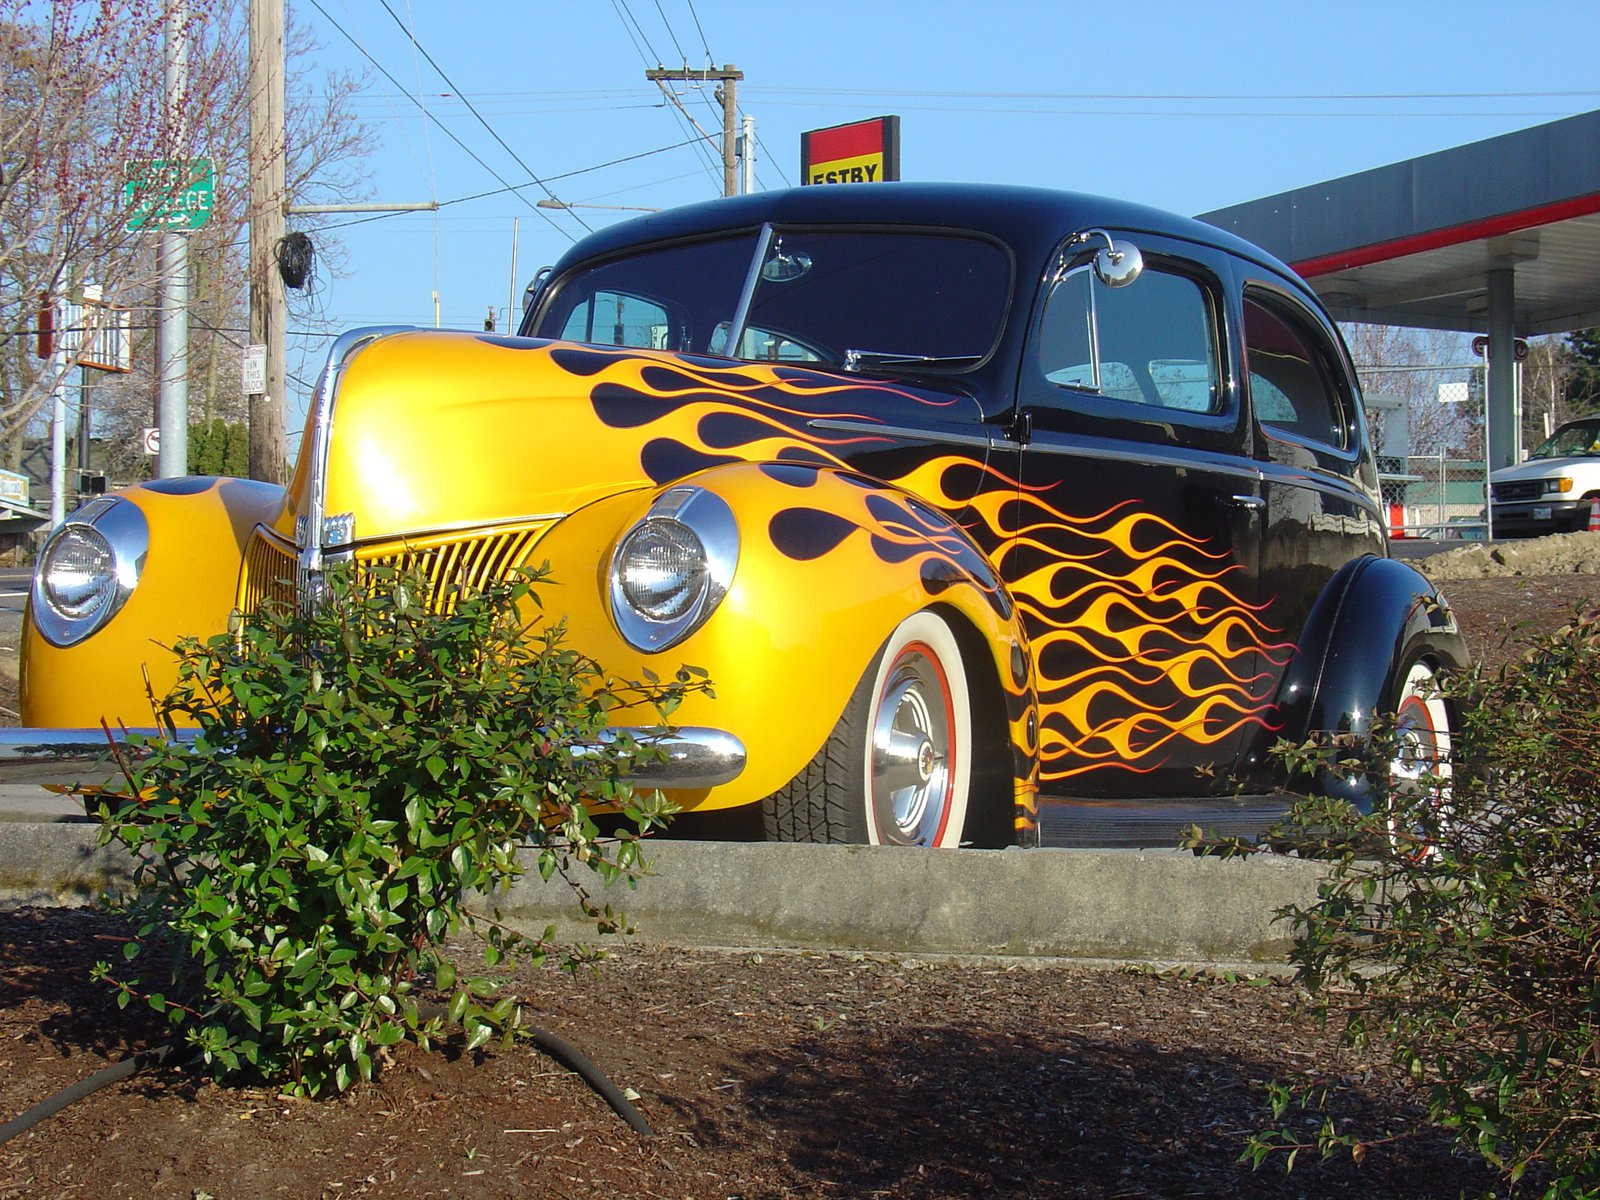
{"x":1462,"y":926}
{"x":357,"y":770}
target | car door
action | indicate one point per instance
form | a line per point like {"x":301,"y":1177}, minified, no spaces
{"x":1319,"y":480}
{"x":1137,"y":529}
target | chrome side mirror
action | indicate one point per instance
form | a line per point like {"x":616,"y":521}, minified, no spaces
{"x":534,"y":285}
{"x":1118,"y":263}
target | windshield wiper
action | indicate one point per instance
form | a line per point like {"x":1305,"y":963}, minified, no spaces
{"x":857,"y":360}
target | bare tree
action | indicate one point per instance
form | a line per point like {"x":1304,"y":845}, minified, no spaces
{"x":83,"y":96}
{"x":1412,"y":364}
{"x":83,"y":100}
{"x":1547,"y":394}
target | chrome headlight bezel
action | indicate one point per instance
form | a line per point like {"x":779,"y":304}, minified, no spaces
{"x":699,"y":524}
{"x":120,"y":527}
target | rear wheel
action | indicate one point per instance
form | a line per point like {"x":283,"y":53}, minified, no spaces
{"x":897,"y":768}
{"x":1419,"y":764}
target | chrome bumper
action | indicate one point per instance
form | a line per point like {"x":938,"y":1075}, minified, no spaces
{"x":695,"y":757}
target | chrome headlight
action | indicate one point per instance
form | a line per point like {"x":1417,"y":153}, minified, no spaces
{"x":671,"y":570}
{"x":87,"y":569}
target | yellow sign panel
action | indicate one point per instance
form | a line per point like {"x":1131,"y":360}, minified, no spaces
{"x":867,"y":168}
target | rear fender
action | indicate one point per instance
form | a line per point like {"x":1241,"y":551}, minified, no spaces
{"x":198,"y":529}
{"x":1373,"y":621}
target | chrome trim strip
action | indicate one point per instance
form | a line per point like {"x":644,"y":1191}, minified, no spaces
{"x":747,"y":294}
{"x":904,"y":432}
{"x":696,"y":757}
{"x":487,"y":528}
{"x":339,"y":355}
{"x":1146,"y":455}
{"x":21,"y":745}
{"x":1331,"y":484}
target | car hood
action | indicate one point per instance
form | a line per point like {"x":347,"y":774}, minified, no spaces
{"x":434,"y":429}
{"x":1543,"y":468}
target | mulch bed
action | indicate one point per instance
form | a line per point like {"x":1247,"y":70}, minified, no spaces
{"x":762,"y":1074}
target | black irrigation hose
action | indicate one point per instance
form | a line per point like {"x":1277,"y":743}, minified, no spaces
{"x":84,"y":1087}
{"x":563,"y":1051}
{"x":569,"y":1056}
{"x":580,"y":1064}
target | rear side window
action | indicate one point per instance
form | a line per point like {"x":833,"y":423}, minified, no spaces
{"x":1292,"y":382}
{"x":1150,"y":343}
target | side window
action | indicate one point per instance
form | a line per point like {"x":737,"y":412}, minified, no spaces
{"x":615,"y":319}
{"x":1292,"y":385}
{"x":1151,"y":343}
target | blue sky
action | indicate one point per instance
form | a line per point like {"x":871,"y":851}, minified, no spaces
{"x":1185,"y":106}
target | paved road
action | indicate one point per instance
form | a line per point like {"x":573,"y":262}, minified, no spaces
{"x":13,"y":594}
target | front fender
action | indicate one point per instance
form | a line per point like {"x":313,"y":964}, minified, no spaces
{"x":1372,"y":622}
{"x":829,"y":563}
{"x":199,"y":527}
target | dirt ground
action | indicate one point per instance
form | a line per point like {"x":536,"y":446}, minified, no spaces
{"x":763,"y":1074}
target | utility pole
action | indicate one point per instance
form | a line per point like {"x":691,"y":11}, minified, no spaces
{"x":172,"y":335}
{"x":728,"y":77}
{"x":268,"y":218}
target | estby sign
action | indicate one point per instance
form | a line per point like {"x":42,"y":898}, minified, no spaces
{"x":861,"y":152}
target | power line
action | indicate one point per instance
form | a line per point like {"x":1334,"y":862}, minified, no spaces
{"x":471,"y":153}
{"x":627,"y":18}
{"x":1001,"y":110}
{"x":768,"y":157}
{"x":700,"y":29}
{"x":514,"y":186}
{"x":517,"y":158}
{"x":671,"y":33}
{"x":648,"y":55}
{"x":1184,"y":96}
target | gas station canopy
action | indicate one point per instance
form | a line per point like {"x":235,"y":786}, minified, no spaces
{"x":1499,"y":237}
{"x":1415,"y":243}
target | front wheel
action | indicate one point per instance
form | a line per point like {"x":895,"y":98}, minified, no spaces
{"x":897,"y":768}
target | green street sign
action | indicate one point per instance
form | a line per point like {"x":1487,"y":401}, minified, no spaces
{"x":169,"y":194}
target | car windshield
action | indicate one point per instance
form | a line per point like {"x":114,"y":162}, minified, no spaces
{"x":1581,"y":439}
{"x":867,"y":298}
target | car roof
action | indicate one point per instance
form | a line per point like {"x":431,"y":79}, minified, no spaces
{"x":1030,"y":220}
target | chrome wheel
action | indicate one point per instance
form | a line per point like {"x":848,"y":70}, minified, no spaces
{"x":1419,"y":767}
{"x":919,"y":735}
{"x":897,"y":768}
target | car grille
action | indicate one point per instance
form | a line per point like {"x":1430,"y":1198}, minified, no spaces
{"x":1522,"y":489}
{"x":450,"y":562}
{"x":268,"y":573}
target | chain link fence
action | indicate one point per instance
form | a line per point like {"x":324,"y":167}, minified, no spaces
{"x":1427,"y":429}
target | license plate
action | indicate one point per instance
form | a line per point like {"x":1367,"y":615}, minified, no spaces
{"x":1541,"y":512}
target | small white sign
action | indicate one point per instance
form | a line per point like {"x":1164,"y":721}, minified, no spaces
{"x":152,"y":441}
{"x":1454,"y":393}
{"x":254,"y":374}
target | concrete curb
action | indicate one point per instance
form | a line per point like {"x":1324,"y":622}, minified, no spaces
{"x":1144,"y":907}
{"x":1089,"y":904}
{"x":59,"y":863}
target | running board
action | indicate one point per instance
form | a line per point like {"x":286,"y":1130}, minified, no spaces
{"x":1154,"y":824}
